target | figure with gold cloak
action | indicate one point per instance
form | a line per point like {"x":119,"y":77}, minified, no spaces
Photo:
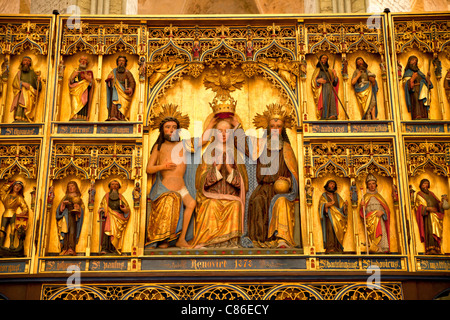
{"x":325,"y":84}
{"x":81,"y":90}
{"x":417,"y":87}
{"x":11,"y":195}
{"x":26,"y":87}
{"x":221,"y":182}
{"x":375,"y":212}
{"x":366,"y":89}
{"x":69,"y":218}
{"x":271,"y":217}
{"x":333,"y":217}
{"x":172,"y":196}
{"x":429,"y":211}
{"x":120,"y":87}
{"x":114,"y":214}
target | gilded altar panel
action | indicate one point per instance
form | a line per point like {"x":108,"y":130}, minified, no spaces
{"x":269,"y":61}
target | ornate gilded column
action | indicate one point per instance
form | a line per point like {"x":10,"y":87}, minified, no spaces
{"x":4,"y":83}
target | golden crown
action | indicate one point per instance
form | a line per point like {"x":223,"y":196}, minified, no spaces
{"x":223,"y":104}
{"x":273,"y":111}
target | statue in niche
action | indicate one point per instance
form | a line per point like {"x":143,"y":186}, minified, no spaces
{"x":4,"y":72}
{"x":171,"y":202}
{"x":69,"y":217}
{"x":11,"y":195}
{"x":158,"y":70}
{"x":366,"y":88}
{"x":137,"y":194}
{"x":91,"y":193}
{"x":81,"y":89}
{"x":333,"y":212}
{"x":196,"y":49}
{"x":417,"y":87}
{"x":354,"y":193}
{"x":429,"y":211}
{"x":114,"y":214}
{"x":325,"y":85}
{"x":120,"y":87}
{"x":26,"y":88}
{"x":376,"y":214}
{"x":142,"y":68}
{"x":221,"y":183}
{"x":271,"y":217}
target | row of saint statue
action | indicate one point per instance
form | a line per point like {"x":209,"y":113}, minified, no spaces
{"x":121,"y":85}
{"x":197,"y":204}
{"x":325,"y":84}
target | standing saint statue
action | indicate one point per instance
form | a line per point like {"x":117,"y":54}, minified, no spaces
{"x":11,"y":195}
{"x":221,"y":183}
{"x":114,"y":214}
{"x":172,"y":205}
{"x":375,"y":212}
{"x":69,"y":217}
{"x":333,"y":216}
{"x":120,"y":87}
{"x":366,"y":88}
{"x":271,"y":210}
{"x":81,"y":90}
{"x":26,"y":87}
{"x":324,"y":79}
{"x":429,"y":211}
{"x":417,"y":87}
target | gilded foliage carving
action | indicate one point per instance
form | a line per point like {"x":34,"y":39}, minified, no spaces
{"x":225,"y":291}
{"x":422,"y":155}
{"x":93,"y":162}
{"x":425,"y":35}
{"x":16,"y":37}
{"x":17,"y":159}
{"x":102,"y":39}
{"x":349,"y":160}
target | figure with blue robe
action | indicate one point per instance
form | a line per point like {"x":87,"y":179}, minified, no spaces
{"x":172,"y":196}
{"x":120,"y":87}
{"x":417,"y":88}
{"x":69,"y":217}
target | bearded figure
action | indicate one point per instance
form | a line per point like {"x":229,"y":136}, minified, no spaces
{"x":366,"y":88}
{"x":120,"y":87}
{"x":333,"y":216}
{"x":271,"y":218}
{"x":114,"y":215}
{"x":26,"y":87}
{"x":81,"y":90}
{"x":417,"y":87}
{"x":323,"y":80}
{"x":429,"y":211}
{"x":170,"y":203}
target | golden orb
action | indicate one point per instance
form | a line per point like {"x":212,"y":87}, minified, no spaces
{"x":281,"y":186}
